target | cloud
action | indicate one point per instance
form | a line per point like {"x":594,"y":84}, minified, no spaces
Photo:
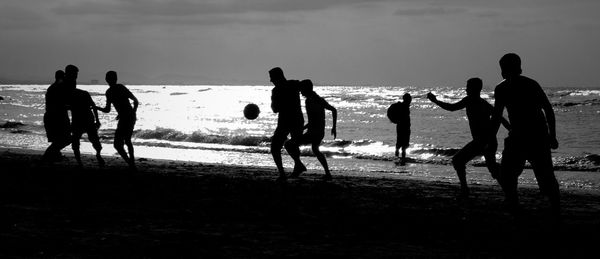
{"x":186,"y":7}
{"x":522,"y":24}
{"x":187,"y":12}
{"x":429,"y":11}
{"x":16,"y":17}
{"x":205,"y":20}
{"x":487,"y":14}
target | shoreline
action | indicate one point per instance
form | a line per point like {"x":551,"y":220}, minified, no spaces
{"x":176,"y":208}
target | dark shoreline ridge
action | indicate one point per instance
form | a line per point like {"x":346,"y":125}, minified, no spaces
{"x":172,"y":208}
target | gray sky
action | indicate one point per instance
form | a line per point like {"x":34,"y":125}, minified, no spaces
{"x":352,"y":42}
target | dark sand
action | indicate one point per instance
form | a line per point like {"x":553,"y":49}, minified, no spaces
{"x":182,"y":209}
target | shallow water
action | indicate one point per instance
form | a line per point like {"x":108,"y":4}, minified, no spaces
{"x":205,"y":123}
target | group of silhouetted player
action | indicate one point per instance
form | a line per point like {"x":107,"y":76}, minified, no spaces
{"x":61,"y":131}
{"x":285,"y":101}
{"x":531,"y":128}
{"x":532,"y":132}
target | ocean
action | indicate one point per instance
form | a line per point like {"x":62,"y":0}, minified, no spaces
{"x":204,"y":123}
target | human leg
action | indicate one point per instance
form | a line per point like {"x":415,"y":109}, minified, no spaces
{"x":398,"y":141}
{"x":58,"y":131}
{"x":95,"y":140}
{"x":459,"y":162}
{"x":511,"y":166}
{"x":315,"y":141}
{"x":298,"y":141}
{"x":489,"y":154}
{"x":119,"y":143}
{"x":543,"y":169}
{"x":123,"y":135}
{"x":293,"y":148}
{"x":129,"y":144}
{"x":75,"y":144}
{"x":402,"y":141}
{"x":321,"y":158}
{"x":279,"y":137}
{"x":50,"y":128}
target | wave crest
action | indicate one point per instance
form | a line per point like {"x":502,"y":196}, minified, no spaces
{"x":199,"y":137}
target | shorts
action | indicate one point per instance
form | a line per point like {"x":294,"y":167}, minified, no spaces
{"x":402,"y":136}
{"x":515,"y":154}
{"x":58,"y":127}
{"x":125,"y":128}
{"x":312,"y":137}
{"x":476,"y":147}
{"x":285,"y":128}
{"x":92,"y":134}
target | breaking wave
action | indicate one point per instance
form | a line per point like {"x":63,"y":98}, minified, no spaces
{"x":199,"y":137}
{"x":357,"y":149}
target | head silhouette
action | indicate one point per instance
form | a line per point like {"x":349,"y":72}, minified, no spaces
{"x":111,"y":77}
{"x":71,"y":72}
{"x":276,"y":75}
{"x":306,"y":87}
{"x":59,"y":75}
{"x":407,"y":98}
{"x":474,"y":86}
{"x":70,"y":78}
{"x":510,"y":64}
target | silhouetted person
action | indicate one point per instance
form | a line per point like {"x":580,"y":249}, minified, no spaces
{"x":118,"y":95}
{"x":400,"y":115}
{"x":84,"y":119}
{"x":56,"y":117}
{"x":315,"y":110}
{"x":479,"y":113}
{"x":285,"y":100}
{"x":532,"y":133}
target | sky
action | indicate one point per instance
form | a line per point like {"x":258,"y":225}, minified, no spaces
{"x":333,"y":42}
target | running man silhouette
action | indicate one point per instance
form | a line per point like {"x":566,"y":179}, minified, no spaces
{"x":532,"y":134}
{"x":315,"y":111}
{"x":84,"y":120}
{"x":285,"y":100}
{"x":479,"y":113}
{"x":56,"y":117}
{"x":118,"y":95}
{"x":399,"y":113}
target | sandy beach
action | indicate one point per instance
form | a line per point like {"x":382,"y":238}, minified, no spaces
{"x":188,"y":209}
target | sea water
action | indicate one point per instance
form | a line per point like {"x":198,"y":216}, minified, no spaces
{"x":205,"y":123}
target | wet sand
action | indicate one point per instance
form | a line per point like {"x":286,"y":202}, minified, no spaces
{"x":188,"y":209}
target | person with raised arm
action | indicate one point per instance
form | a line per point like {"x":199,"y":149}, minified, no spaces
{"x":479,"y":113}
{"x":118,"y":95}
{"x":84,"y":119}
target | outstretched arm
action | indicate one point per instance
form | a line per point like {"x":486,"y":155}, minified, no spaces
{"x":334,"y":115}
{"x":505,"y":123}
{"x":106,"y":108}
{"x":448,"y":106}
{"x":135,"y":103}
{"x":549,"y":112}
{"x":497,"y":114}
{"x":92,"y":105}
{"x":97,"y":118}
{"x":135,"y":100}
{"x":503,"y":120}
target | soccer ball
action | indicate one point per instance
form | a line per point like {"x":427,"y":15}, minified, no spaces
{"x":251,"y":111}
